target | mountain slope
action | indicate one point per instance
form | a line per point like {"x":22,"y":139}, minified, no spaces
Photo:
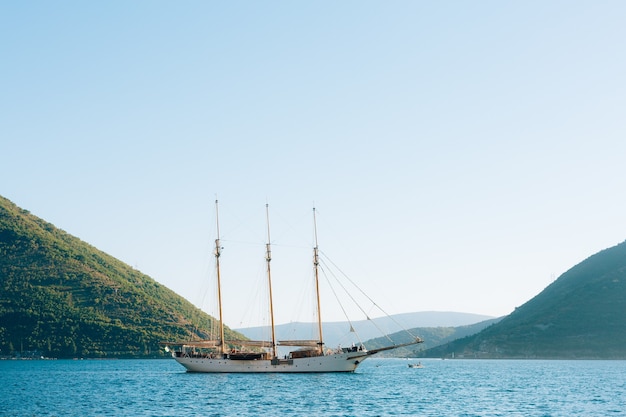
{"x":61,"y":297}
{"x":580,"y":315}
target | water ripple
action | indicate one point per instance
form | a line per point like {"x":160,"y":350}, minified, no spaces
{"x":381,"y":387}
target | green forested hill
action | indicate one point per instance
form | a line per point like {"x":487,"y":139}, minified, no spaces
{"x":580,"y":315}
{"x":61,"y":297}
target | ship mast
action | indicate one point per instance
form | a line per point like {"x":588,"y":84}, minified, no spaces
{"x":219,"y":284}
{"x":317,"y":286}
{"x":268,"y":258}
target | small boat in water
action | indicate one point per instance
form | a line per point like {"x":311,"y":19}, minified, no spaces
{"x":416,"y":365}
{"x":248,"y":356}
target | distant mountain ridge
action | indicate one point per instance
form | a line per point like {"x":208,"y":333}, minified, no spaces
{"x":335,"y":332}
{"x":581,"y":315}
{"x":60,"y":297}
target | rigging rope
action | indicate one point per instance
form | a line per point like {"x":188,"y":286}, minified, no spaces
{"x":355,"y":303}
{"x":326,"y":258}
{"x":337,"y":298}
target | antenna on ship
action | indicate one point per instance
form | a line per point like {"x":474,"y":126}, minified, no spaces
{"x":218,"y":252}
{"x":317,"y":285}
{"x":268,"y":258}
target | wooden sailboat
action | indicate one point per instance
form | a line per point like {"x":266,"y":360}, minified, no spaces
{"x":311,"y":355}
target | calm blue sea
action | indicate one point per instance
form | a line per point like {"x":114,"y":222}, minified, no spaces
{"x":380,"y":387}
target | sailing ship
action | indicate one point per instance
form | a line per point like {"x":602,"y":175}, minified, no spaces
{"x":249,"y":356}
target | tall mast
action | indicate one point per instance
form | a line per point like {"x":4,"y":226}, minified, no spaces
{"x":219,"y":284}
{"x":268,"y":258}
{"x":317,"y":286}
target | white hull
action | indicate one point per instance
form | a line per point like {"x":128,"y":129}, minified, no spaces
{"x":340,"y":362}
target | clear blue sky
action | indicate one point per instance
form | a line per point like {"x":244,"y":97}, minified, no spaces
{"x":462,"y":155}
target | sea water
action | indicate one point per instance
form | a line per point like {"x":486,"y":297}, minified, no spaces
{"x":379,"y":387}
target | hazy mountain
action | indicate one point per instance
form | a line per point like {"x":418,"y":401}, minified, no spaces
{"x":580,"y":315}
{"x":336,"y":333}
